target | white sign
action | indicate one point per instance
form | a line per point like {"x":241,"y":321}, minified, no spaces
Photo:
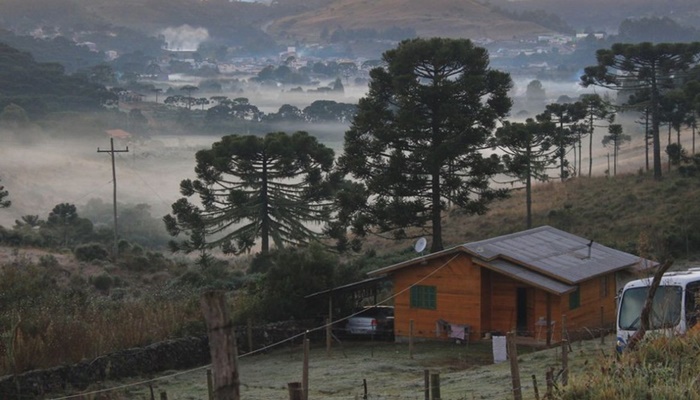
{"x":500,"y":353}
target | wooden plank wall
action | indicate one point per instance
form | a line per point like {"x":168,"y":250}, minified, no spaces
{"x":500,"y":315}
{"x":458,"y":296}
{"x":585,"y":321}
{"x":503,"y":303}
{"x":487,"y":301}
{"x":540,"y":311}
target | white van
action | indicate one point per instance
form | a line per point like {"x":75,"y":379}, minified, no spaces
{"x":676,"y":306}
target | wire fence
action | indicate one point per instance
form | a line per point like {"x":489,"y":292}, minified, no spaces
{"x":372,"y":370}
{"x":362,"y":370}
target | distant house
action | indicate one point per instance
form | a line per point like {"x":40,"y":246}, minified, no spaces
{"x":119,"y":134}
{"x":523,"y":282}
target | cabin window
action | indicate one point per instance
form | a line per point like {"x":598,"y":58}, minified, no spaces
{"x":424,"y":297}
{"x":575,"y":299}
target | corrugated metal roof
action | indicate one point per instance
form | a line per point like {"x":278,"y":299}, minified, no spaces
{"x":545,"y":257}
{"x":554,"y":253}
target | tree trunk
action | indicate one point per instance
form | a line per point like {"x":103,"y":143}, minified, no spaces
{"x":528,"y":190}
{"x":436,"y":245}
{"x":646,"y":310}
{"x":265,"y":212}
{"x":655,"y":126}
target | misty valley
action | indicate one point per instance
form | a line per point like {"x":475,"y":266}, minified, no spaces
{"x":165,"y":160}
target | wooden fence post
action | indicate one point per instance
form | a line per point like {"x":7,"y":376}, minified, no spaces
{"x":426,"y":378}
{"x":329,"y":337}
{"x":163,"y":395}
{"x":410,"y":339}
{"x":564,"y":332}
{"x":305,"y":373}
{"x":210,"y":385}
{"x":249,"y":333}
{"x":550,"y":382}
{"x":602,"y":325}
{"x":222,"y":346}
{"x":514,"y":368}
{"x":295,"y":391}
{"x":365,"y":396}
{"x":565,"y":362}
{"x":534,"y":385}
{"x":435,"y":386}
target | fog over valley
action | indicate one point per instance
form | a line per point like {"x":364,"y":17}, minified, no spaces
{"x":177,"y":76}
{"x":43,"y":172}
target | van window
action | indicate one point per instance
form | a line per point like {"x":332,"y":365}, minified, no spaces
{"x":692,"y":304}
{"x":666,"y":309}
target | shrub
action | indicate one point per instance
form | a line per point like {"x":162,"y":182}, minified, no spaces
{"x":662,"y":368}
{"x":48,"y":260}
{"x":102,"y":282}
{"x":90,"y":252}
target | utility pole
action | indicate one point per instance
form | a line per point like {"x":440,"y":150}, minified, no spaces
{"x":114,"y":181}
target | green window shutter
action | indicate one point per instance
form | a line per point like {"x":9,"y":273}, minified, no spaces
{"x":431,"y":297}
{"x":575,"y":299}
{"x":424,"y":297}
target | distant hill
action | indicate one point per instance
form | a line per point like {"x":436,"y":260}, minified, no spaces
{"x":264,"y":28}
{"x":446,"y":18}
{"x":607,"y":15}
{"x":257,"y":25}
{"x":227,"y":23}
{"x":41,"y":88}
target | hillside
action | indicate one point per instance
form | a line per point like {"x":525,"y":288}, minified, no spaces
{"x":606,"y":16}
{"x":245,"y":23}
{"x":446,"y":18}
{"x":619,"y":212}
{"x":264,"y":26}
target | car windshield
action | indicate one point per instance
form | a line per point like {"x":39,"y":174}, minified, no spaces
{"x":666,"y":310}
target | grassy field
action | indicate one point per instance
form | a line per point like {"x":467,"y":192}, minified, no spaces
{"x":466,"y":371}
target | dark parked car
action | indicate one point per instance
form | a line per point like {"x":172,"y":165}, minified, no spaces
{"x":373,"y":321}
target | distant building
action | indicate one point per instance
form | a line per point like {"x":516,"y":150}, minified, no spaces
{"x":119,"y":134}
{"x":597,"y":35}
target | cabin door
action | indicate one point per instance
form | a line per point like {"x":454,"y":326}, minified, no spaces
{"x":521,"y":311}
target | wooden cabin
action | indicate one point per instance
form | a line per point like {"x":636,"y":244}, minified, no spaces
{"x":525,"y":282}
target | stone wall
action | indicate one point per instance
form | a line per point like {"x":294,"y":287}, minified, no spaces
{"x":177,"y":354}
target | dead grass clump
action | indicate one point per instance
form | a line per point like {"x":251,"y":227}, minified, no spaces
{"x":663,"y":368}
{"x":68,"y":329}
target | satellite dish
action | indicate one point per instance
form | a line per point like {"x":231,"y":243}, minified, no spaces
{"x":420,"y":245}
